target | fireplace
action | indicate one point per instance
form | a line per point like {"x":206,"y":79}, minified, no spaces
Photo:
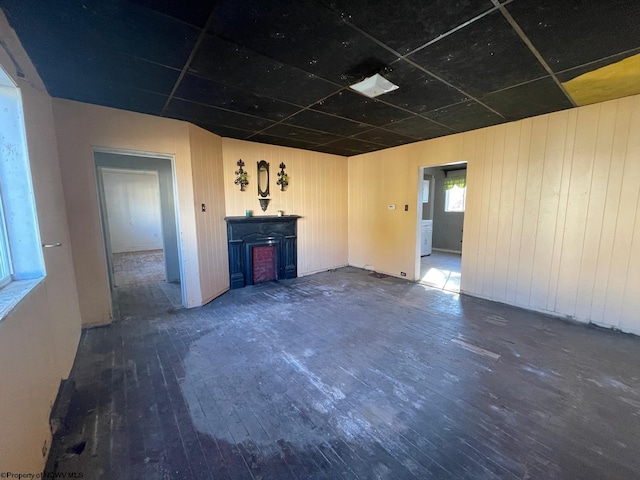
{"x":261,"y":249}
{"x":263,"y":263}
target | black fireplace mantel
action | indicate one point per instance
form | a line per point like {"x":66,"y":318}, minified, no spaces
{"x":244,"y":233}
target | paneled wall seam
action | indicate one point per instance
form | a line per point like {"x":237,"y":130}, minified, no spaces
{"x":618,"y":213}
{"x":604,"y":211}
{"x":586,"y":219}
{"x":515,"y":196}
{"x":540,"y":200}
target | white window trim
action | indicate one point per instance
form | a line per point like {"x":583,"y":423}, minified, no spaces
{"x":6,"y":266}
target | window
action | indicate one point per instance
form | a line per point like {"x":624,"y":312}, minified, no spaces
{"x":21,"y":260}
{"x":455,"y":198}
{"x":5,"y":257}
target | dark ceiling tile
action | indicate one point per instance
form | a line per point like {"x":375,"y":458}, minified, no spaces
{"x":262,"y":61}
{"x":407,"y":24}
{"x":527,"y":100}
{"x":419,"y":92}
{"x":110,"y":95}
{"x":84,"y":30}
{"x":303,"y":34}
{"x":237,"y":66}
{"x":326,"y":123}
{"x":296,"y":133}
{"x":201,"y":90}
{"x":482,"y":57}
{"x":572,"y":73}
{"x":64,"y":74}
{"x":568,"y":33}
{"x":384,"y":137}
{"x":225,"y":131}
{"x":148,"y":35}
{"x":194,"y":12}
{"x":465,"y":116}
{"x":360,"y":108}
{"x":351,"y":146}
{"x":284,"y":142}
{"x":197,"y":113}
{"x":333,"y":150}
{"x":419,"y":127}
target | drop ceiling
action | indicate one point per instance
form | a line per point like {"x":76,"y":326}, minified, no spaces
{"x":279,"y":72}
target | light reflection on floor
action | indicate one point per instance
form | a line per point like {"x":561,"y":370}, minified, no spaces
{"x":441,"y":270}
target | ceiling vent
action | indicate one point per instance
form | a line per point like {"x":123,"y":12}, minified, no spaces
{"x":374,"y":86}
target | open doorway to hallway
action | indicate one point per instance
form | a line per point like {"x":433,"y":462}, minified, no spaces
{"x":132,"y":201}
{"x":441,"y":206}
{"x":139,"y":221}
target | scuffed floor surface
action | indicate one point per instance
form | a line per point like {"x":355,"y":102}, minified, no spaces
{"x":137,"y":268}
{"x":342,"y":375}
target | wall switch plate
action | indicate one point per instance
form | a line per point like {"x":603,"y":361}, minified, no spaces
{"x":391,"y":207}
{"x":406,"y":208}
{"x":203,"y":208}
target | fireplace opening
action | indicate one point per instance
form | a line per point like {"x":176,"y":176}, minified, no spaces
{"x":263,"y":261}
{"x":261,"y":249}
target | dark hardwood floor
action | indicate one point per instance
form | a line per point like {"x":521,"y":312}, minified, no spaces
{"x":343,"y":375}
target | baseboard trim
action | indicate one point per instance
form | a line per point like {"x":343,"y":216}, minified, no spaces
{"x":446,"y":250}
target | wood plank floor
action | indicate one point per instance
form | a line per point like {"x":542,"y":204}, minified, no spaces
{"x":135,"y":268}
{"x":343,"y":375}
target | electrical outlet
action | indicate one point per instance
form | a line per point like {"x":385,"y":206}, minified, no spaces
{"x":404,"y":274}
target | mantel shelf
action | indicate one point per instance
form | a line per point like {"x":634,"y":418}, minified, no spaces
{"x":262,"y":218}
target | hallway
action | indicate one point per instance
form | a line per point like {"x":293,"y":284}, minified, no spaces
{"x":140,"y":269}
{"x":342,"y":375}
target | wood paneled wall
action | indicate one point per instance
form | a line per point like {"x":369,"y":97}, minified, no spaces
{"x":551,"y":221}
{"x":317,"y":191}
{"x":208,"y":189}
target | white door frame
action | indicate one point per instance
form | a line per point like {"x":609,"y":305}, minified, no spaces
{"x":144,"y":154}
{"x":419,"y":211}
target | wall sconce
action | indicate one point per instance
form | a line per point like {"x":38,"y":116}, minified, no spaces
{"x":241,"y":176}
{"x":283,"y":178}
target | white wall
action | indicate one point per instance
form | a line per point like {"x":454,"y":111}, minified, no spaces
{"x":132,"y":199}
{"x":80,"y":128}
{"x":39,"y":338}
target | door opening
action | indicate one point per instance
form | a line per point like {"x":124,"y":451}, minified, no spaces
{"x":139,"y":222}
{"x":440,"y":225}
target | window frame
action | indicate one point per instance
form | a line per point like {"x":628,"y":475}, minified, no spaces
{"x":6,"y":264}
{"x":20,"y":243}
{"x":447,"y":201}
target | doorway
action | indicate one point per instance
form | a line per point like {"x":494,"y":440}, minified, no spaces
{"x":139,"y":222}
{"x":441,"y":206}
